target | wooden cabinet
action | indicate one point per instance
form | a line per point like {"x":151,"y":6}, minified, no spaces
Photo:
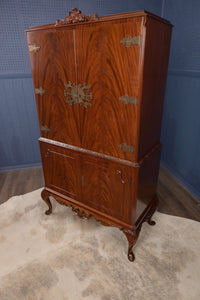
{"x":99,"y":87}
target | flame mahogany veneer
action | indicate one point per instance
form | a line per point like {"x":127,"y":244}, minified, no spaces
{"x":99,"y":87}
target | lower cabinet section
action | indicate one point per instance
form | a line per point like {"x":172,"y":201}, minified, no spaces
{"x":112,"y":191}
{"x":98,"y":183}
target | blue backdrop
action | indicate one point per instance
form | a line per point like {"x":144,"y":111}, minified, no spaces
{"x":19,"y":129}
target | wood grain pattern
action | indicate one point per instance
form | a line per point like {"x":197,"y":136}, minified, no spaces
{"x":107,"y":188}
{"x":113,"y":71}
{"x":101,"y":184}
{"x":174,"y":198}
{"x":154,"y":73}
{"x":147,"y":181}
{"x":61,"y":170}
{"x":94,"y":53}
{"x":108,"y":18}
{"x":104,"y":159}
{"x":52,"y":66}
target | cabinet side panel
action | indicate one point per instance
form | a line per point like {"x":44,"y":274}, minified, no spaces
{"x":156,"y":56}
{"x":147,"y":182}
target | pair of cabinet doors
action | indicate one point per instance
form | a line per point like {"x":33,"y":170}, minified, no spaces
{"x":93,"y":182}
{"x":83,"y":77}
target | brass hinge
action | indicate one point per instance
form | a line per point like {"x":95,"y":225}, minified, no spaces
{"x":129,"y":41}
{"x":39,"y":91}
{"x":44,"y":128}
{"x":126,"y":99}
{"x":126,"y":148}
{"x":33,"y":48}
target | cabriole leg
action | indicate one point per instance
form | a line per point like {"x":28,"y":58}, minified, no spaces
{"x":45,"y":196}
{"x":132,"y":238}
{"x":152,"y":211}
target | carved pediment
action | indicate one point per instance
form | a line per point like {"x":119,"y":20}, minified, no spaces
{"x":76,"y":16}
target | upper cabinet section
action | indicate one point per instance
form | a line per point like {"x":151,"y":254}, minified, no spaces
{"x":86,"y":85}
{"x":89,"y":74}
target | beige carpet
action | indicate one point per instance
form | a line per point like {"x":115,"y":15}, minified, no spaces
{"x":62,"y":257}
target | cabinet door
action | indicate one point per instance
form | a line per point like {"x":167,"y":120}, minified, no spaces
{"x":53,"y":67}
{"x":61,"y":170}
{"x":108,"y":71}
{"x":108,"y":187}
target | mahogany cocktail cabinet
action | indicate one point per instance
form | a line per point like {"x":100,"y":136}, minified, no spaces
{"x":99,"y":86}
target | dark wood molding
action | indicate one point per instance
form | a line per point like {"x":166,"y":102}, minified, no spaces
{"x":108,"y":18}
{"x":82,"y":150}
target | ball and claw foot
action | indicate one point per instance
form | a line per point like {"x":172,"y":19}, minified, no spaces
{"x":45,"y":196}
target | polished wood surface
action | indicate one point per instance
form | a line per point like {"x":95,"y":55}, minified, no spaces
{"x":107,"y":18}
{"x":97,"y":183}
{"x":174,"y":198}
{"x":99,"y":90}
{"x":88,"y":54}
{"x":65,"y":163}
{"x":112,"y":70}
{"x":155,"y":63}
{"x":52,"y":66}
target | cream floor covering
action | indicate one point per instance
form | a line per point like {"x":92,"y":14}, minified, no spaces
{"x":61,"y":257}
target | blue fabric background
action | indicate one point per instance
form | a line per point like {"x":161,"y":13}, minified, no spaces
{"x":181,"y":122}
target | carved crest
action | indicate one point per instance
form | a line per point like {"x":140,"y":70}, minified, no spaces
{"x":78,"y":94}
{"x":76,"y":16}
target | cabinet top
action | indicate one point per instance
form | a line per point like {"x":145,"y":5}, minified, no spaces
{"x":77,"y":17}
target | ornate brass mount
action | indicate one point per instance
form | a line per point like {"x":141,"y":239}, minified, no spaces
{"x":39,"y":91}
{"x":129,"y":41}
{"x":78,"y":94}
{"x":126,"y":148}
{"x":44,"y":128}
{"x":126,"y":99}
{"x":75,"y":16}
{"x":80,"y":213}
{"x":33,"y":48}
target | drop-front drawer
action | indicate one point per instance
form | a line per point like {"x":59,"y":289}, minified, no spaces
{"x":61,"y":169}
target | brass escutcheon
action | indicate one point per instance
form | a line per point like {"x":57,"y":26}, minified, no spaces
{"x":78,"y":94}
